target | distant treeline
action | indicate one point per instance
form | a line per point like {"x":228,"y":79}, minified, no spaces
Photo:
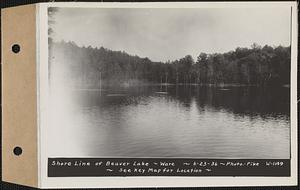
{"x":91,"y":67}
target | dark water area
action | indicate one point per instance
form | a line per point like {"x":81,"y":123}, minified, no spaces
{"x":183,"y":121}
{"x":251,"y":101}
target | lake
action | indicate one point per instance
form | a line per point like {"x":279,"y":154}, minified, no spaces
{"x":174,"y":121}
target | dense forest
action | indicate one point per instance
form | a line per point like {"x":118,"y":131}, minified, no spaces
{"x":92,"y":67}
{"x":88,"y":67}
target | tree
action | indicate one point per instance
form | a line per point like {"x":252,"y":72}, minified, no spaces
{"x":92,"y":67}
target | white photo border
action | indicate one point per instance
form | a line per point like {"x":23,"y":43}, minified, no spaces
{"x":153,"y":181}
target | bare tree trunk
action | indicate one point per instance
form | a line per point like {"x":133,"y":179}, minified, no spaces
{"x":100,"y":82}
{"x":166,"y":78}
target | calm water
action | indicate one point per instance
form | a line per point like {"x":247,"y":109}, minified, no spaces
{"x":182,"y":121}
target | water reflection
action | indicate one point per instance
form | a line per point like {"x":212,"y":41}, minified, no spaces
{"x":183,"y":121}
{"x":273,"y":102}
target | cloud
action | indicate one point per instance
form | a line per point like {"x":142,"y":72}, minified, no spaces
{"x":168,"y":34}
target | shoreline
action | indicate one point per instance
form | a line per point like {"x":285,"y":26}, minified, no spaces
{"x":180,"y":84}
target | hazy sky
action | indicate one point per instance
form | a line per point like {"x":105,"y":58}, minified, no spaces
{"x":169,"y":34}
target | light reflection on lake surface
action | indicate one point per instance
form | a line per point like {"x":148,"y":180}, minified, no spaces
{"x":183,"y":121}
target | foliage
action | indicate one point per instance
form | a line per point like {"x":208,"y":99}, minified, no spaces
{"x":247,"y":66}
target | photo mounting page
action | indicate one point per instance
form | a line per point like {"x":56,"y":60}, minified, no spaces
{"x":168,"y":94}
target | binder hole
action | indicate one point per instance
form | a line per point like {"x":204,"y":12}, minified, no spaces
{"x":18,"y":151}
{"x":16,"y":48}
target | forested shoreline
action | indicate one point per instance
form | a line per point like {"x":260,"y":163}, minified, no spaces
{"x":89,"y":67}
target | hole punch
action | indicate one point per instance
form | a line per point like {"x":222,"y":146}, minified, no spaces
{"x":16,"y":48}
{"x":18,"y":151}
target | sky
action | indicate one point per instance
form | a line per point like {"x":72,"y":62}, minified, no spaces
{"x":168,"y":34}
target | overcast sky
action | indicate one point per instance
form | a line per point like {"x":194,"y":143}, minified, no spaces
{"x":169,"y":34}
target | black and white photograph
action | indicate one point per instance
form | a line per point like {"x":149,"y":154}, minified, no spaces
{"x":171,"y":82}
{"x":150,"y":94}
